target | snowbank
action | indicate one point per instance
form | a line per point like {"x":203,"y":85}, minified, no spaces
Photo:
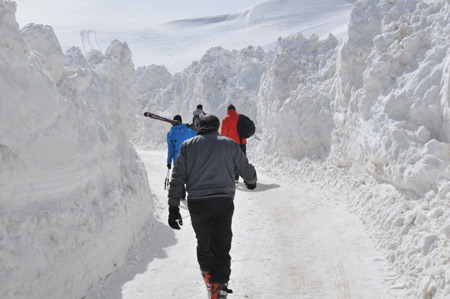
{"x":74,"y":193}
{"x":369,"y":115}
{"x":220,"y":78}
{"x":277,"y":89}
{"x":398,"y":110}
{"x":392,"y":118}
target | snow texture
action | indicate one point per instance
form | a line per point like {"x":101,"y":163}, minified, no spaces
{"x":367,"y":115}
{"x":74,"y":194}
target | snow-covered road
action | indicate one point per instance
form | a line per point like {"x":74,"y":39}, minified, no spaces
{"x":290,"y":241}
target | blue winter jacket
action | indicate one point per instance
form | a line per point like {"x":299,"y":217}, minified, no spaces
{"x":175,"y":137}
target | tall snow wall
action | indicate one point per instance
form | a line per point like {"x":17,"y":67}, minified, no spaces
{"x":392,"y":93}
{"x":220,"y":78}
{"x":392,"y":120}
{"x":73,"y":192}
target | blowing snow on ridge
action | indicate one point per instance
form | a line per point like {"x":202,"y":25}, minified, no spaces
{"x":354,"y":131}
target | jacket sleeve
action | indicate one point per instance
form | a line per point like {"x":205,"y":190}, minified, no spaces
{"x":244,"y":168}
{"x":178,"y":179}
{"x":170,"y":148}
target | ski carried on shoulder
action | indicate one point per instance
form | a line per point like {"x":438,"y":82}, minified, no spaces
{"x":171,"y":121}
{"x":158,"y":117}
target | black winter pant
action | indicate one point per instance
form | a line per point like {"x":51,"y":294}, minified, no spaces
{"x":211,"y":220}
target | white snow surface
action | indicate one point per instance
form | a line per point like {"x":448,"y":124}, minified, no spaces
{"x":358,"y":127}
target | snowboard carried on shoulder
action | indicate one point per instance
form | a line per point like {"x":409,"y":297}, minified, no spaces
{"x":171,"y":121}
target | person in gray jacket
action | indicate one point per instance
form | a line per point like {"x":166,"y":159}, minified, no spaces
{"x":207,"y":165}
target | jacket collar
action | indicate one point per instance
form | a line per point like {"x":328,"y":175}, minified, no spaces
{"x":207,"y":130}
{"x":231,"y":112}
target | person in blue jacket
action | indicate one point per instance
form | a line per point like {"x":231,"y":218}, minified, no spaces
{"x":175,"y":137}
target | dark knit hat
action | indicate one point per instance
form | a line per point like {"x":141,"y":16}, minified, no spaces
{"x":200,"y":106}
{"x":178,"y":118}
{"x":231,"y":107}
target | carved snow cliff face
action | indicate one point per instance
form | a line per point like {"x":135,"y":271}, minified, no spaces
{"x":70,"y":180}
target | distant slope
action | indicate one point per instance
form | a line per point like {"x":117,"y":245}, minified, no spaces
{"x":176,"y":44}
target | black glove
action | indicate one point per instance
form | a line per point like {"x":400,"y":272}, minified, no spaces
{"x":175,"y":219}
{"x":169,"y":165}
{"x":250,"y":186}
{"x":146,"y":114}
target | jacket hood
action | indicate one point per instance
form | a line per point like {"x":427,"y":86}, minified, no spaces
{"x":180,"y":126}
{"x":207,"y":130}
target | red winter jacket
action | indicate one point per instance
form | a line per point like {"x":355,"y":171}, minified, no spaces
{"x":229,"y":127}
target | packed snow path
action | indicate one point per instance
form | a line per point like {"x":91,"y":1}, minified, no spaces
{"x":290,"y":241}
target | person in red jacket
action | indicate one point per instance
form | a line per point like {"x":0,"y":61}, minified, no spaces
{"x":229,"y":129}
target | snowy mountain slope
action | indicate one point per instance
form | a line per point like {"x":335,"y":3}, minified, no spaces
{"x":176,"y":44}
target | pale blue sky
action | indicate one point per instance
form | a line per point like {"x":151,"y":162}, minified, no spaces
{"x":82,"y":14}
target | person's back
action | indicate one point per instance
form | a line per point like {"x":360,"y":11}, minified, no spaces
{"x":229,"y":129}
{"x":175,"y":137}
{"x":229,"y":126}
{"x":198,"y":115}
{"x":207,"y":164}
{"x":211,"y":161}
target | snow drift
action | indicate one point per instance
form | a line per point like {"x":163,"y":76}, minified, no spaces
{"x":74,"y":193}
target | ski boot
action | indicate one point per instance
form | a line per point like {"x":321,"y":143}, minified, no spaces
{"x":219,"y":290}
{"x":206,"y":277}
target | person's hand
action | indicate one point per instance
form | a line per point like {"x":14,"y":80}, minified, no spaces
{"x":169,"y":165}
{"x":250,"y":186}
{"x":175,"y":220}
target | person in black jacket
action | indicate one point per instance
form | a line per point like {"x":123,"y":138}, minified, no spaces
{"x":207,"y":164}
